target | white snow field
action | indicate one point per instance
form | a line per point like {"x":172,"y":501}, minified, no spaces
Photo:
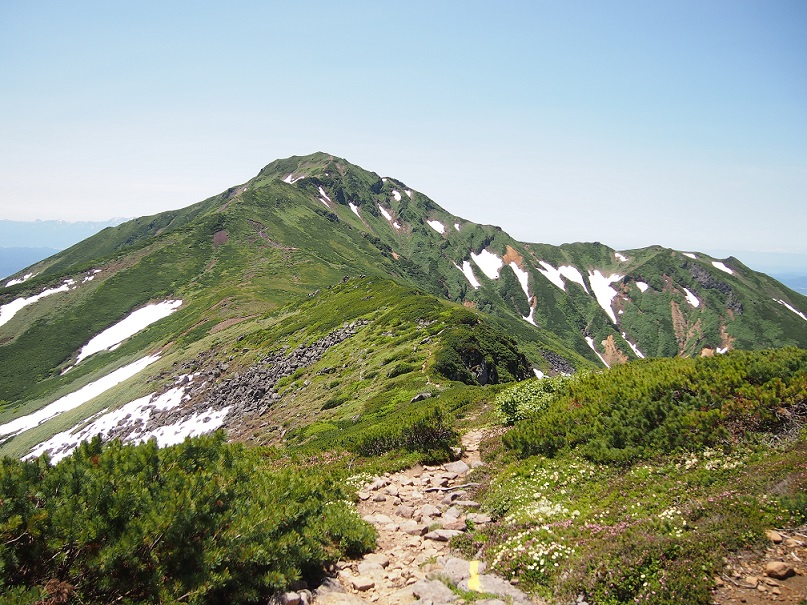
{"x":642,"y":286}
{"x":409,"y":193}
{"x":354,"y":208}
{"x":692,"y":299}
{"x":324,"y":197}
{"x":135,"y":416}
{"x":457,"y":226}
{"x":523,"y":278}
{"x":291,"y":180}
{"x":437,"y":226}
{"x":24,"y":278}
{"x":719,"y":265}
{"x":469,"y":274}
{"x":796,"y":311}
{"x":633,"y":346}
{"x":489,"y":263}
{"x":76,"y":398}
{"x":621,"y":257}
{"x":690,"y":255}
{"x":129,"y":326}
{"x":384,"y":212}
{"x":9,"y":310}
{"x":564,"y":271}
{"x":603,"y":291}
{"x":531,"y":317}
{"x":590,"y":342}
{"x":396,"y":195}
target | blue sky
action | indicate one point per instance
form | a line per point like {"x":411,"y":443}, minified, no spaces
{"x":631,"y":123}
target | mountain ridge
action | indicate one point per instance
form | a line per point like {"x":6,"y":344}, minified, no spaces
{"x":304,"y":232}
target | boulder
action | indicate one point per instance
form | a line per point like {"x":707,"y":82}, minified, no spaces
{"x":779,"y":570}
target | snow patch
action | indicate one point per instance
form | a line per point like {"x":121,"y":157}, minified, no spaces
{"x":719,"y":265}
{"x":633,"y":346}
{"x":24,"y":278}
{"x":538,"y":373}
{"x":621,"y":257}
{"x":129,"y":326}
{"x":324,"y":198}
{"x":796,"y":311}
{"x":291,"y":180}
{"x":692,"y":299}
{"x":590,"y":342}
{"x":437,"y":226}
{"x":469,"y":274}
{"x":642,"y":286}
{"x":564,"y":271}
{"x":523,"y":278}
{"x":76,"y":398}
{"x":531,"y":317}
{"x":603,"y":291}
{"x":354,"y":208}
{"x":409,"y":193}
{"x":722,"y":350}
{"x":690,"y":255}
{"x":489,"y":263}
{"x":396,"y":224}
{"x":385,"y":212}
{"x":135,"y":416}
{"x":396,"y":195}
{"x":9,"y":310}
{"x":457,"y":226}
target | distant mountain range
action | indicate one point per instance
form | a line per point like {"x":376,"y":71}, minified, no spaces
{"x":22,"y":243}
{"x":375,"y":293}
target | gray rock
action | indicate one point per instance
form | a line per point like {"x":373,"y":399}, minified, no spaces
{"x":442,"y":535}
{"x":434,"y":591}
{"x":499,"y":587}
{"x":458,"y":467}
{"x":362,"y":583}
{"x":430,"y":510}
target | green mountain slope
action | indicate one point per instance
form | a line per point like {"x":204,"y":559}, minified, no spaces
{"x":282,"y":248}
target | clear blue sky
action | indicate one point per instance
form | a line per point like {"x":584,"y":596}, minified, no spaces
{"x":631,"y":123}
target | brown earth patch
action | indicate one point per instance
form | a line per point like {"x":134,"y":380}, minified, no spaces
{"x":220,"y":238}
{"x":679,"y":325}
{"x":611,"y":353}
{"x":512,"y":256}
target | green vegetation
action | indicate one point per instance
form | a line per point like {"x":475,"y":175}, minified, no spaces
{"x":201,"y":522}
{"x":633,"y":484}
{"x":652,"y":407}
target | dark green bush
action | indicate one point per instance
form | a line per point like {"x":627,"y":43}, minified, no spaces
{"x":200,"y":522}
{"x":649,"y":407}
{"x":428,"y":431}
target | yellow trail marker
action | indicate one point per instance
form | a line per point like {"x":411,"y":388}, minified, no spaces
{"x":473,"y":581}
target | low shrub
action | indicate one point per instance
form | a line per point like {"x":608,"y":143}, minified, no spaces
{"x":529,"y":397}
{"x":200,"y":522}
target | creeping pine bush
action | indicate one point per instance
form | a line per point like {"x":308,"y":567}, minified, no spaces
{"x":529,"y":397}
{"x":200,"y":522}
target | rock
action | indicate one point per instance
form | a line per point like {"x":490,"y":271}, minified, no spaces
{"x":369,"y":569}
{"x":442,"y":535}
{"x":793,"y":543}
{"x":779,"y":570}
{"x":455,"y":570}
{"x":774,"y":536}
{"x":391,"y":490}
{"x":364,"y":495}
{"x":377,"y":557}
{"x":430,"y":510}
{"x":477,"y":464}
{"x":290,"y":598}
{"x":379,"y":498}
{"x":466,"y":503}
{"x":420,"y":397}
{"x":458,"y":467}
{"x":751,"y":581}
{"x":480,"y":518}
{"x":456,"y":453}
{"x":719,"y":582}
{"x":407,"y":512}
{"x":497,"y":586}
{"x":413,"y":528}
{"x":361,"y":583}
{"x":434,"y":591}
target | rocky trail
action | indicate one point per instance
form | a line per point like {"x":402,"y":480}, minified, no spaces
{"x":416,"y":513}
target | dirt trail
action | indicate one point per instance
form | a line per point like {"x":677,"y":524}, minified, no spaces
{"x":416,"y":512}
